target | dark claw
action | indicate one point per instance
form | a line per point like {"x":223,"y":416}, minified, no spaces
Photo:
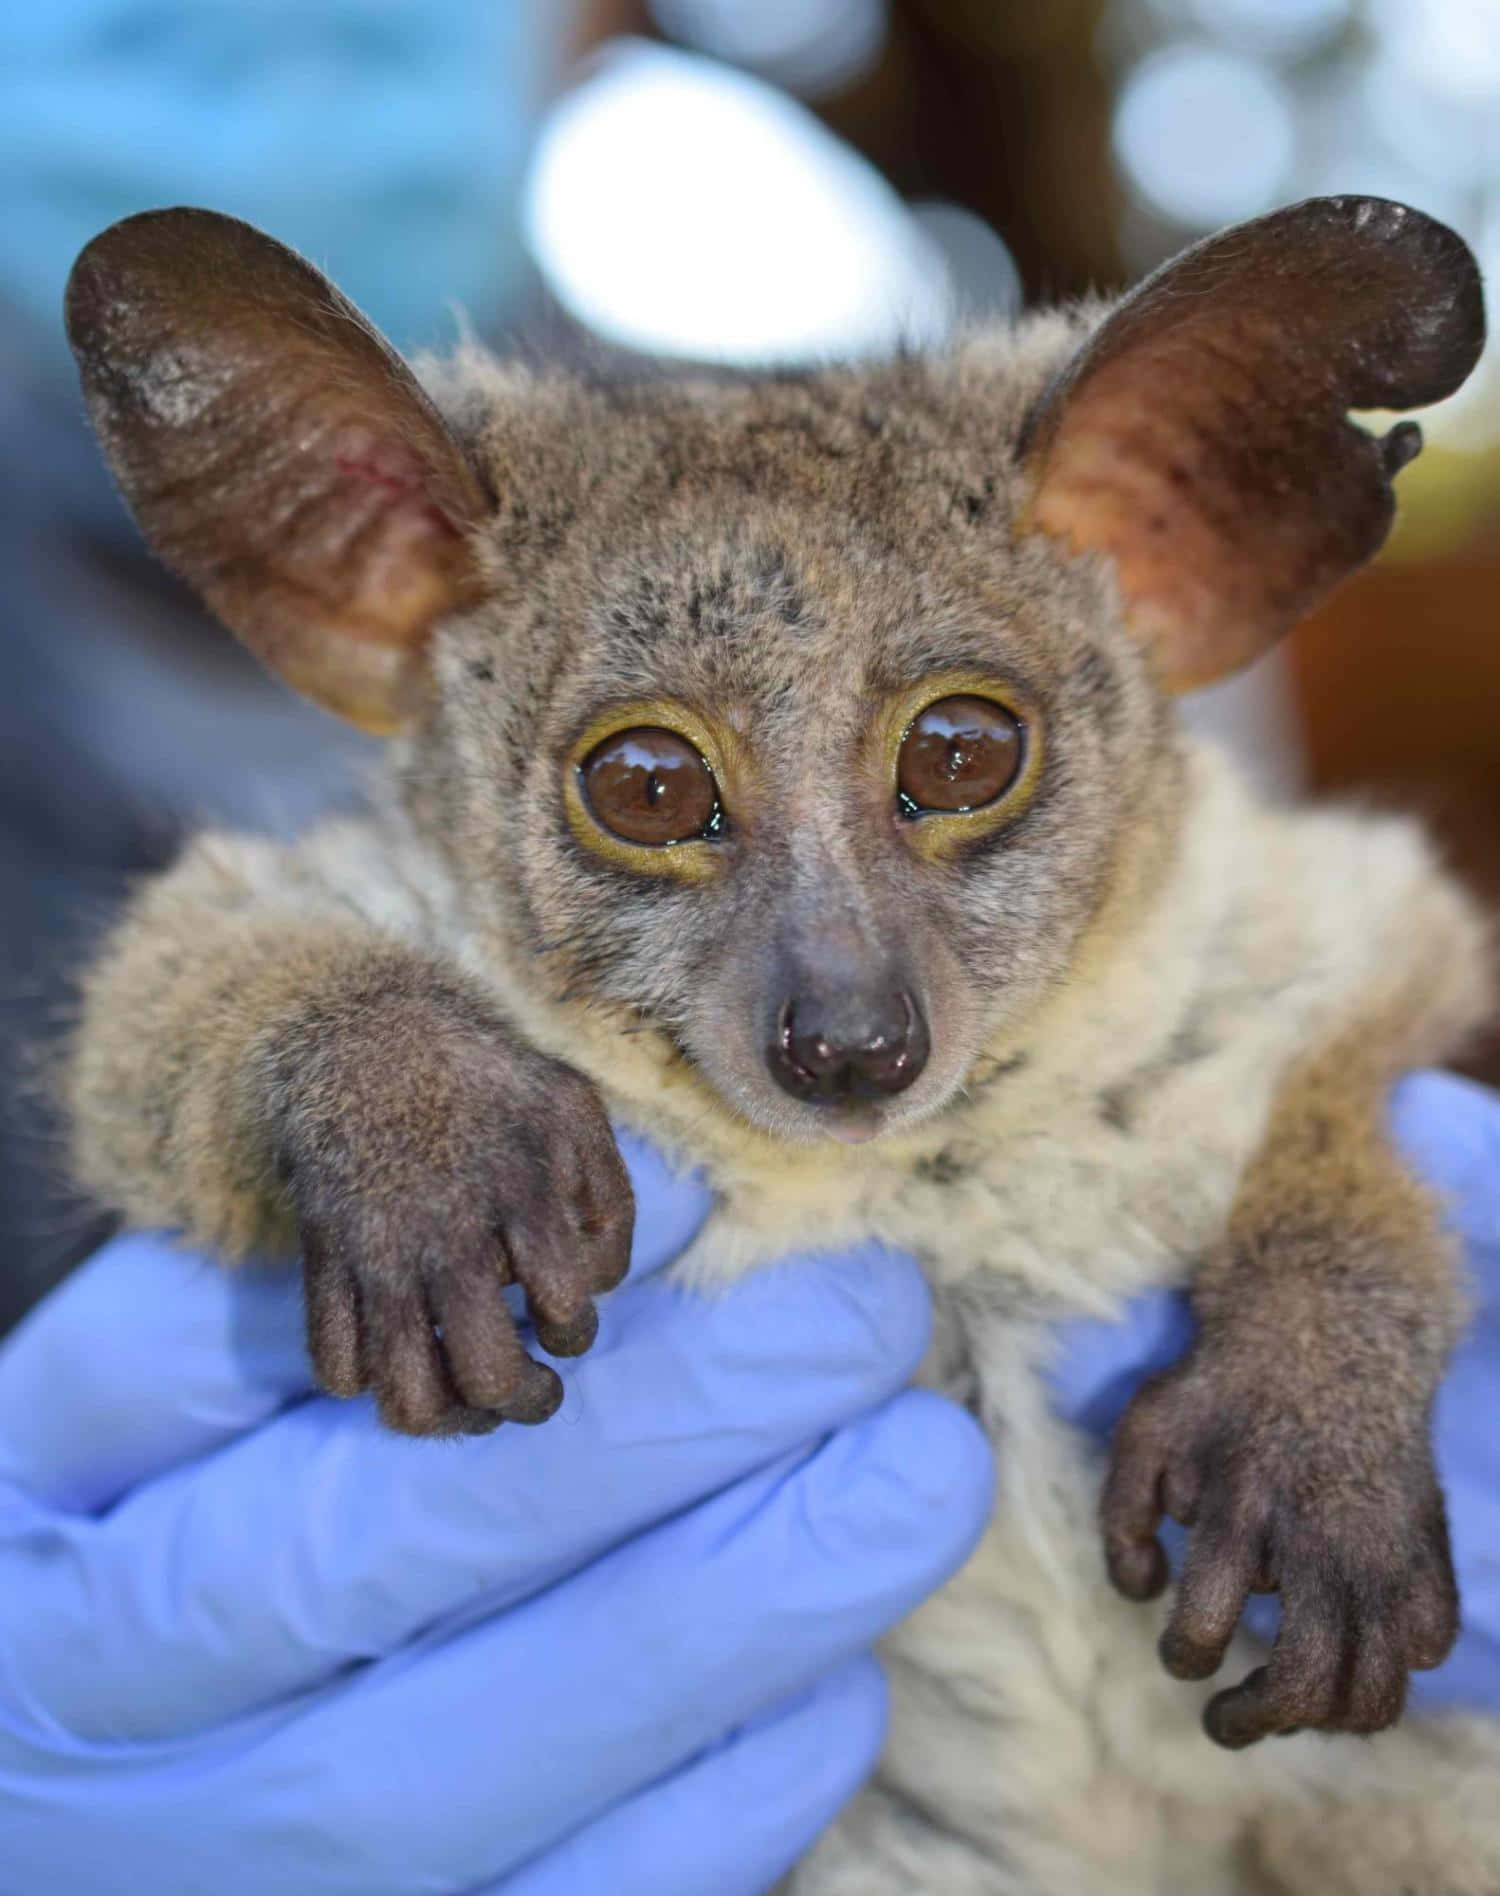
{"x":540,"y":1398}
{"x":569,"y":1339}
{"x":1237,"y":1718}
{"x":1184,"y":1658}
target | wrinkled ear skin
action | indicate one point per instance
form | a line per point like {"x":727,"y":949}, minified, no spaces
{"x":1201,"y":436}
{"x":276,"y":452}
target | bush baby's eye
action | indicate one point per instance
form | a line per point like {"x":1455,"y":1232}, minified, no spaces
{"x":651,"y":787}
{"x":959,"y":754}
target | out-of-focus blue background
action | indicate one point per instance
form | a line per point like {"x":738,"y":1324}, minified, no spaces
{"x":735,"y":180}
{"x":384,"y":138}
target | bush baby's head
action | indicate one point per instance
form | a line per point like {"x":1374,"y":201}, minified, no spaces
{"x":808,"y":720}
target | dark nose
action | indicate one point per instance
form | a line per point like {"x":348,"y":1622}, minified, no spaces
{"x":842,"y":1052}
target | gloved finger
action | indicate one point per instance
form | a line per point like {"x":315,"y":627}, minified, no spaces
{"x":511,"y":1735}
{"x":1449,"y":1129}
{"x":739,"y":1815}
{"x":1467,"y":1449}
{"x":1097,"y":1365}
{"x":150,"y":1356}
{"x":671,"y":1206}
{"x":444,"y":1764}
{"x":147,"y":1356}
{"x":321,"y":1540}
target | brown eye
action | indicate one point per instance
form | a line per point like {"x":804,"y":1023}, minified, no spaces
{"x":650,"y":786}
{"x":959,"y":754}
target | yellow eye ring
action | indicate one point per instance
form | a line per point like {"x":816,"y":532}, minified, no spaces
{"x":938,"y":833}
{"x":693,"y":859}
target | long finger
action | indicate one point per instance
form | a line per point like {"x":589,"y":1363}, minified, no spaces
{"x":1216,"y":1580}
{"x":1131,"y":1505}
{"x":150,"y":1356}
{"x":1299,"y":1682}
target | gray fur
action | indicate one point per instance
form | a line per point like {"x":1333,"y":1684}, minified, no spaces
{"x":1162,"y":1014}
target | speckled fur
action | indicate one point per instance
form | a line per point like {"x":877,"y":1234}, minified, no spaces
{"x":1142,"y":994}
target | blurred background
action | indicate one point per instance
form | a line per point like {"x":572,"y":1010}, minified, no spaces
{"x":743,"y":181}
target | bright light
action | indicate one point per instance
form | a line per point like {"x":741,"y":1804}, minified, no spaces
{"x":1281,"y":29}
{"x":1205,"y":136}
{"x":681,"y":208}
{"x":1453,"y":46}
{"x":812,"y":47}
{"x":983,"y":274}
{"x":1453,"y":140}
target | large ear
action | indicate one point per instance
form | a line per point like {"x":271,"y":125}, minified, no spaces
{"x":1202,"y":438}
{"x":276,"y":452}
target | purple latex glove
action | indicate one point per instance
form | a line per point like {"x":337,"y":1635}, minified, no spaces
{"x":1450,"y":1130}
{"x":250,"y":1641}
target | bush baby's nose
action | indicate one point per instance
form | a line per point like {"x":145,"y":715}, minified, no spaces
{"x":859,"y":1049}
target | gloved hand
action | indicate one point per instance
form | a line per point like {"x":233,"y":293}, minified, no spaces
{"x":211,"y":1725}
{"x":249,"y":1641}
{"x":1450,"y":1130}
